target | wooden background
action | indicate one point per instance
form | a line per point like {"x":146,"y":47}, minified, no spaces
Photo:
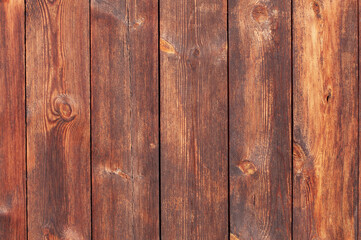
{"x":179,"y":119}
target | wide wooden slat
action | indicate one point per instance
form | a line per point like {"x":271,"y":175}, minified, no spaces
{"x":58,"y":116}
{"x":260,"y":119}
{"x":325,"y":119}
{"x":194,"y":193}
{"x":12,"y":121}
{"x":124,"y":70}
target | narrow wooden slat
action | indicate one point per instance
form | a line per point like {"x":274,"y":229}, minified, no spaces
{"x":359,"y":125}
{"x":58,"y":116}
{"x":260,"y":119}
{"x":194,"y":193}
{"x":325,"y":119}
{"x":124,"y":72}
{"x":12,"y":121}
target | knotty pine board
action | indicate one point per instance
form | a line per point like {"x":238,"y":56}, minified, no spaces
{"x":193,"y":119}
{"x":325,"y":134}
{"x":58,"y":119}
{"x":260,"y":119}
{"x":125,"y":148}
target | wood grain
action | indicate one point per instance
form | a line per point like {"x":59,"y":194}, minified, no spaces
{"x":58,"y":116}
{"x":193,"y":45}
{"x":260,"y":119}
{"x":12,"y":119}
{"x":325,"y":119}
{"x":358,"y":231}
{"x":124,"y":66}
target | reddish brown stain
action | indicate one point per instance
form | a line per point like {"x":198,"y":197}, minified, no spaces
{"x":247,"y":167}
{"x":316,"y":9}
{"x":260,"y":13}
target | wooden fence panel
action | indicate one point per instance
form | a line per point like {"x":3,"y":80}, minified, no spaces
{"x":125,"y":146}
{"x":325,"y":130}
{"x":260,"y":119}
{"x":193,"y":77}
{"x":58,"y":119}
{"x":12,"y":121}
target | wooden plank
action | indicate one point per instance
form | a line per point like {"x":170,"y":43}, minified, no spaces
{"x":260,"y":119}
{"x":58,"y":116}
{"x":358,"y":231}
{"x":124,"y":65}
{"x":12,"y":119}
{"x":194,"y":169}
{"x":325,"y":119}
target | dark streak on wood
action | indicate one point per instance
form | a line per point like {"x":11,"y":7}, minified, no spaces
{"x":12,"y":121}
{"x":260,"y":119}
{"x":58,"y":115}
{"x":125,"y":119}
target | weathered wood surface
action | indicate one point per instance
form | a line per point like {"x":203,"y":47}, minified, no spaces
{"x":12,"y":121}
{"x":193,"y":75}
{"x":260,"y":119}
{"x":100,"y":141}
{"x":124,"y":70}
{"x":58,"y":119}
{"x":325,"y":119}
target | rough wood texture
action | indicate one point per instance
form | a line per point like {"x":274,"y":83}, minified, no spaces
{"x":58,"y":116}
{"x":260,"y":119}
{"x":124,"y":43}
{"x":325,"y":119}
{"x":359,"y":126}
{"x":194,"y":165}
{"x":12,"y":121}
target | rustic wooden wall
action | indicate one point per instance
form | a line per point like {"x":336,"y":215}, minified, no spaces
{"x":187,"y":119}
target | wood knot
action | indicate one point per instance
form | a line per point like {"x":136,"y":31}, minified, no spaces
{"x":328,"y":95}
{"x":247,"y":167}
{"x":316,"y":9}
{"x":52,"y":1}
{"x":166,"y":47}
{"x":233,"y":237}
{"x":260,"y":13}
{"x":117,"y":172}
{"x":138,"y":23}
{"x":48,"y":233}
{"x":299,"y":157}
{"x":63,"y":108}
{"x":196,"y":52}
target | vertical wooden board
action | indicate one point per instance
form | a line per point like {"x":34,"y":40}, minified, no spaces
{"x":325,"y":119}
{"x":358,"y":231}
{"x":125,"y":150}
{"x":12,"y":119}
{"x":194,"y":192}
{"x":260,"y":119}
{"x":58,"y":116}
